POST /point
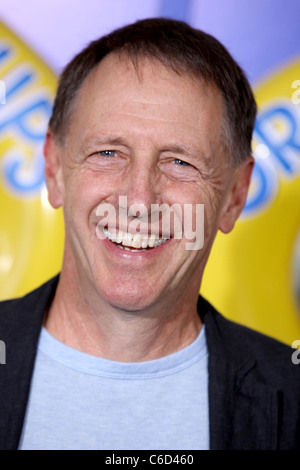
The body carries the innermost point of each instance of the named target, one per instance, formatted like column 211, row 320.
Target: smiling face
column 155, row 137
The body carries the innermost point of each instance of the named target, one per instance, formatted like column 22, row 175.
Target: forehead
column 148, row 95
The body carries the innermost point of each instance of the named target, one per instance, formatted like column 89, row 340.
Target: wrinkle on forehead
column 143, row 96
column 148, row 67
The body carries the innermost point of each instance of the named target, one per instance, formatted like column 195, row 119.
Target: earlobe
column 237, row 195
column 53, row 171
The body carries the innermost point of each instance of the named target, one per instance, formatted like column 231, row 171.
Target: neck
column 82, row 320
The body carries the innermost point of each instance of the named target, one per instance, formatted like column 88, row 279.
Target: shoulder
column 24, row 309
column 240, row 344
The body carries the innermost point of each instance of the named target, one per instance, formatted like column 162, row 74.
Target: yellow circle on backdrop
column 251, row 275
column 31, row 232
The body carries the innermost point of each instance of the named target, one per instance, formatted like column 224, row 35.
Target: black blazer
column 254, row 388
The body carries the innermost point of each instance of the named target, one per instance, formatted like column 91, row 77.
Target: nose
column 141, row 186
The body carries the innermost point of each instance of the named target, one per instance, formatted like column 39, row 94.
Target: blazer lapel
column 20, row 325
column 243, row 410
column 243, row 416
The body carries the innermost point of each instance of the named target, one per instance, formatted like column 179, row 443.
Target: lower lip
column 134, row 255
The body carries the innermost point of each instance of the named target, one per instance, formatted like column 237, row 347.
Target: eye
column 180, row 170
column 107, row 153
column 181, row 162
column 106, row 160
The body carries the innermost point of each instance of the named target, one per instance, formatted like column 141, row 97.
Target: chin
column 130, row 299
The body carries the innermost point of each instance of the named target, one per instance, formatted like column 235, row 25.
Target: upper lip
column 142, row 228
column 142, row 232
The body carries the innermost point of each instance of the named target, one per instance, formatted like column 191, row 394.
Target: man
column 119, row 351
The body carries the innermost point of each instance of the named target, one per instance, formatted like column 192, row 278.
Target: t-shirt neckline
column 86, row 363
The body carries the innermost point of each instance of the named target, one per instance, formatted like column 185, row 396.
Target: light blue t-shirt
column 83, row 402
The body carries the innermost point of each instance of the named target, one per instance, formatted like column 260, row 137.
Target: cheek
column 85, row 190
column 201, row 210
column 211, row 217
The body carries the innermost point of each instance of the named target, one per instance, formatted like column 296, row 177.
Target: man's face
column 154, row 137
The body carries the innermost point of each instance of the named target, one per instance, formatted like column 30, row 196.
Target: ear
column 237, row 195
column 53, row 171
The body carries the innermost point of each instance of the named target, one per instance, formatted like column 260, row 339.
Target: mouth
column 134, row 242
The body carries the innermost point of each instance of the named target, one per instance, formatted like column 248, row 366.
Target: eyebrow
column 193, row 152
column 109, row 140
column 183, row 149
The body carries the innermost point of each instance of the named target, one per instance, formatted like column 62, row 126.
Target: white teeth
column 134, row 241
column 137, row 241
column 119, row 237
column 127, row 239
column 151, row 241
column 144, row 243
